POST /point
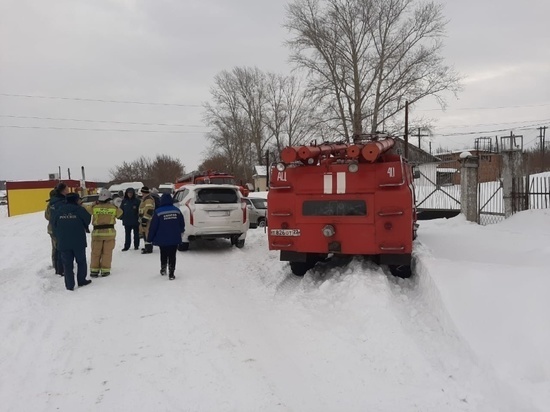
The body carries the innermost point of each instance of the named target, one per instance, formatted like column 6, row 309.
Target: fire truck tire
column 240, row 243
column 301, row 268
column 400, row 271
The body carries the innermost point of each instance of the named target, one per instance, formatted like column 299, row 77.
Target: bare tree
column 165, row 169
column 236, row 117
column 290, row 115
column 366, row 58
column 161, row 169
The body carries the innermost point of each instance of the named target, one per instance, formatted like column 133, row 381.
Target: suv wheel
column 240, row 243
column 261, row 222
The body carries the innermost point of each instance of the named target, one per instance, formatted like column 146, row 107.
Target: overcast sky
column 168, row 52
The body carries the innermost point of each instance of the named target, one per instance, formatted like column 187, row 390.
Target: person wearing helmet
column 104, row 216
column 146, row 210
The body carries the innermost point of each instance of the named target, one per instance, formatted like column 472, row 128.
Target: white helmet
column 104, row 195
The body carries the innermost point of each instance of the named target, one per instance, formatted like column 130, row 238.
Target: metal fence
column 530, row 192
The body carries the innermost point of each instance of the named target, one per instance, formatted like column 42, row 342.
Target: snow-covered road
column 235, row 332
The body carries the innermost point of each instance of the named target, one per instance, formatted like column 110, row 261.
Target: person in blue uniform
column 70, row 225
column 167, row 226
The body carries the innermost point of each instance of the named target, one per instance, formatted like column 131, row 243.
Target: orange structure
column 337, row 198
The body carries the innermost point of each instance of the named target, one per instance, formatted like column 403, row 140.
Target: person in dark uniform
column 70, row 225
column 130, row 218
column 167, row 226
column 57, row 199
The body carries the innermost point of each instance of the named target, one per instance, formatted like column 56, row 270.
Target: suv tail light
column 244, row 208
column 191, row 220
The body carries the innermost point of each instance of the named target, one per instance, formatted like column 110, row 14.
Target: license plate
column 218, row 213
column 285, row 232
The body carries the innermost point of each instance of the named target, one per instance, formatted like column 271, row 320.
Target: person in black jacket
column 130, row 218
column 57, row 199
column 167, row 226
column 70, row 225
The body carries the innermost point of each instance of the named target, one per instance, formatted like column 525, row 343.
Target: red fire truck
column 209, row 177
column 338, row 198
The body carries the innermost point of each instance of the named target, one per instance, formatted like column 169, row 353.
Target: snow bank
column 236, row 332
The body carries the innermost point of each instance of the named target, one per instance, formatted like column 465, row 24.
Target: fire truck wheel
column 240, row 243
column 300, row 268
column 400, row 271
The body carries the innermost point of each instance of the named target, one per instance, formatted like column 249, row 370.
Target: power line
column 99, row 100
column 490, row 131
column 485, row 108
column 99, row 121
column 103, row 130
column 455, row 126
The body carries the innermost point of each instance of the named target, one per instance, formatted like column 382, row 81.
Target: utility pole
column 407, row 130
column 542, row 137
column 419, row 136
column 268, row 169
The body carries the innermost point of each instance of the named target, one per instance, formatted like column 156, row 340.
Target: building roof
column 260, row 171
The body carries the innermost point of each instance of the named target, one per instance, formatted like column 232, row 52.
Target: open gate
column 490, row 196
column 437, row 191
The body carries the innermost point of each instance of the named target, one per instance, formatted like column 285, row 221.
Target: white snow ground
column 236, row 332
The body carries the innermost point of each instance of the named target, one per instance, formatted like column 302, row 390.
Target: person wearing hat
column 50, row 228
column 146, row 210
column 130, row 218
column 57, row 199
column 104, row 216
column 70, row 225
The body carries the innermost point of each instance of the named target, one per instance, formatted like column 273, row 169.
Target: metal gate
column 490, row 196
column 437, row 190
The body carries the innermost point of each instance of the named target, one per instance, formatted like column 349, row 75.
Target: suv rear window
column 334, row 208
column 217, row 195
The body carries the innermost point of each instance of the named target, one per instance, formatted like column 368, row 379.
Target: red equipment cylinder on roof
column 372, row 150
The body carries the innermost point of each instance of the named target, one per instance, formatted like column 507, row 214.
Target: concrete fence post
column 512, row 166
column 468, row 187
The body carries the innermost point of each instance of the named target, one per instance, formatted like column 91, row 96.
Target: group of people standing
column 69, row 221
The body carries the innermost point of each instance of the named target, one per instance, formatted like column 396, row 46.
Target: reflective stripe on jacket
column 104, row 214
column 147, row 208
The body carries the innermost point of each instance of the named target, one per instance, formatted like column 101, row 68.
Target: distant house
column 260, row 178
column 490, row 164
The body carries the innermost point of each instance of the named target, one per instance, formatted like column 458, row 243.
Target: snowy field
column 236, row 332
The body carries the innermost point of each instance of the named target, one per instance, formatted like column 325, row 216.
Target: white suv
column 212, row 211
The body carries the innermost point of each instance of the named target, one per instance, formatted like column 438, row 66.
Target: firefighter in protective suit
column 104, row 216
column 146, row 210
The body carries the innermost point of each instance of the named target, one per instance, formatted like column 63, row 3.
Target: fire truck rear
column 337, row 198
